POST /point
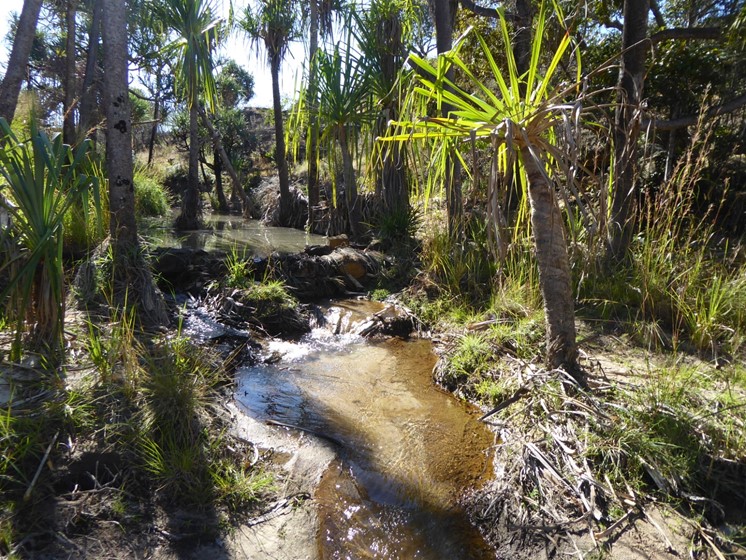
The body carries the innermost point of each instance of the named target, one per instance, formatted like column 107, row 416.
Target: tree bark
column 189, row 218
column 392, row 182
column 312, row 143
column 68, row 118
column 10, row 87
column 132, row 281
column 90, row 81
column 282, row 164
column 444, row 16
column 553, row 263
column 627, row 128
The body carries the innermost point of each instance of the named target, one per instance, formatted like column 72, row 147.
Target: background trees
column 197, row 29
column 274, row 24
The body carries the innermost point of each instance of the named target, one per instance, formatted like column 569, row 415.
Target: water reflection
column 223, row 233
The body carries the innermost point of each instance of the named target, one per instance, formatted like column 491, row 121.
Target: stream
column 404, row 450
column 228, row 233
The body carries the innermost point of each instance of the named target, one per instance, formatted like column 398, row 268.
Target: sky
column 237, row 48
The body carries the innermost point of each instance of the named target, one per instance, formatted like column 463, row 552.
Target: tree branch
column 686, row 33
column 474, row 8
column 690, row 120
column 657, row 13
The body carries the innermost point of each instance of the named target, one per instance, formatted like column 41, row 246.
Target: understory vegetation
column 556, row 191
column 129, row 431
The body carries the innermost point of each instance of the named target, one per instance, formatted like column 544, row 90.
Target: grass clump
column 141, row 428
column 151, row 198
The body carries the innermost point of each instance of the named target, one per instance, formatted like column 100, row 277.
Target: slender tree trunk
column 351, row 198
column 554, row 267
column 156, row 118
column 627, row 129
column 222, row 156
column 68, row 118
column 132, row 281
column 282, row 164
column 10, row 87
column 312, row 144
column 90, row 81
column 444, row 15
column 523, row 35
column 217, row 164
column 189, row 218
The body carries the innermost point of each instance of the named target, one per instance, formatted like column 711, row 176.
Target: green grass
column 151, row 198
column 150, row 403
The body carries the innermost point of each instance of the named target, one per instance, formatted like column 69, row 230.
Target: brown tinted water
column 405, row 450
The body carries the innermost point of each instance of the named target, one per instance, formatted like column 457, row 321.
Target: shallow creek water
column 404, row 449
column 224, row 233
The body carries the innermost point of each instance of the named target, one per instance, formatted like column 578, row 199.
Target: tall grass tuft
column 677, row 287
column 151, row 198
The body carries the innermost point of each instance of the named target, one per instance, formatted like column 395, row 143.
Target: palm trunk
column 351, row 198
column 90, row 83
column 68, row 119
column 627, row 129
column 444, row 12
column 312, row 145
column 132, row 281
column 554, row 267
column 10, row 87
column 189, row 218
column 282, row 164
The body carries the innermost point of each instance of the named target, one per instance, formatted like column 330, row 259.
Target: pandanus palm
column 520, row 121
column 44, row 180
column 197, row 31
column 275, row 24
column 344, row 107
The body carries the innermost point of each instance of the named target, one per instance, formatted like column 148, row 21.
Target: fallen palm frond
column 585, row 465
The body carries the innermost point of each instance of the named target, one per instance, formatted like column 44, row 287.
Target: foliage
column 273, row 25
column 151, row 198
column 45, row 179
column 198, row 31
column 677, row 287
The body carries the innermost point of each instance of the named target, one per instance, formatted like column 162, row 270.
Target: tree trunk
column 68, row 118
column 222, row 156
column 444, row 16
column 156, row 118
column 627, row 128
column 10, row 87
column 392, row 182
column 312, row 143
column 132, row 281
column 217, row 167
column 554, row 267
column 90, row 81
column 351, row 198
column 189, row 218
column 282, row 164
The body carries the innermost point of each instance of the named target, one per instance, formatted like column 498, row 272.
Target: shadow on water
column 405, row 450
